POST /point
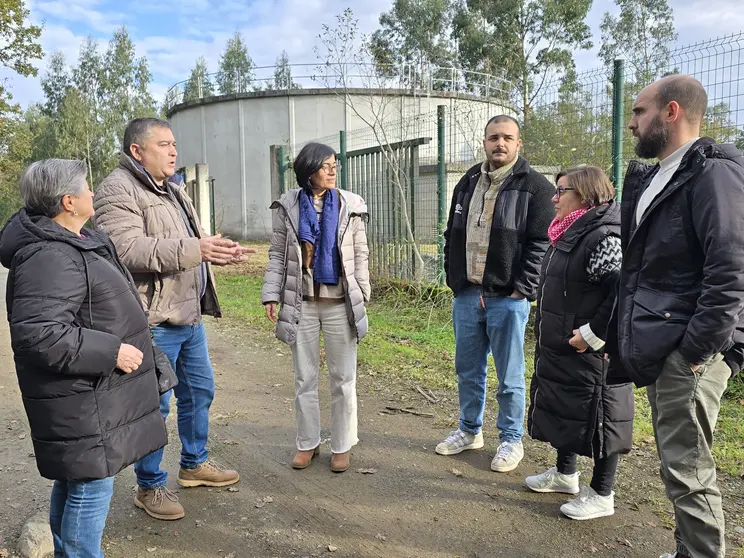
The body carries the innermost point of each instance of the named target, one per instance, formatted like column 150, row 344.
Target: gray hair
column 138, row 130
column 44, row 184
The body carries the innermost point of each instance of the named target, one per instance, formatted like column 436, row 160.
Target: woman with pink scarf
column 573, row 404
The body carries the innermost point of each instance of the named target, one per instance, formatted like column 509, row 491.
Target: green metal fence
column 407, row 169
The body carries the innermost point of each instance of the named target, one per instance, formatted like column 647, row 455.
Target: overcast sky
column 173, row 33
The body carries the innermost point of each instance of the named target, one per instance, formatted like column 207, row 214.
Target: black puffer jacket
column 70, row 307
column 573, row 406
column 681, row 285
column 519, row 232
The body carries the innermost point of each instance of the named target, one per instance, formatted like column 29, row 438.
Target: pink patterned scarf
column 559, row 226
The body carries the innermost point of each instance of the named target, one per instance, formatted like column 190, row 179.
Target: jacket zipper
column 347, row 297
column 542, row 298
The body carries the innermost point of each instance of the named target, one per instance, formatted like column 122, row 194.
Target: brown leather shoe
column 340, row 462
column 207, row 474
column 302, row 459
column 159, row 503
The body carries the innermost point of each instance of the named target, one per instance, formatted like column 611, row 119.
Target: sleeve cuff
column 594, row 342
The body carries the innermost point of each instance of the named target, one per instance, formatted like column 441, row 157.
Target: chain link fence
column 407, row 169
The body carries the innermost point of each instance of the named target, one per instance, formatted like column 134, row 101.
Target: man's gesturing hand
column 222, row 251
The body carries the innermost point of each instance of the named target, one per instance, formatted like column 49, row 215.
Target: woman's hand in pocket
column 578, row 342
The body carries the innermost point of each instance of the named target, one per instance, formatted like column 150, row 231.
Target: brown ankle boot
column 340, row 462
column 302, row 459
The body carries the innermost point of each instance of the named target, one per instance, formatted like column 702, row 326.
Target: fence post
column 618, row 126
column 282, row 166
column 342, row 155
column 441, row 191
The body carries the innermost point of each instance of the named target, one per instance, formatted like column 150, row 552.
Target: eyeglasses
column 561, row 190
column 329, row 166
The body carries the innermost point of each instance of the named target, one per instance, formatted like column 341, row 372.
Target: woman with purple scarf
column 318, row 278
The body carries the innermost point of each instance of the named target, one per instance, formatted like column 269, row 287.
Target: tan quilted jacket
column 283, row 277
column 152, row 240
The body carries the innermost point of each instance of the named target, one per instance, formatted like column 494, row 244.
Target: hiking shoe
column 507, row 457
column 553, row 481
column 207, row 474
column 159, row 503
column 589, row 505
column 458, row 442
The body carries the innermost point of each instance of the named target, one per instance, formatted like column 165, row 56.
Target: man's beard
column 493, row 164
column 653, row 141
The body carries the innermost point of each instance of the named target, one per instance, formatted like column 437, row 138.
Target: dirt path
column 412, row 506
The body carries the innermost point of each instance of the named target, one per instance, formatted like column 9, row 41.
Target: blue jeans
column 499, row 329
column 78, row 515
column 186, row 347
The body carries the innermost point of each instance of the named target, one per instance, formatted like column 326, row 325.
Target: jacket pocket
column 657, row 325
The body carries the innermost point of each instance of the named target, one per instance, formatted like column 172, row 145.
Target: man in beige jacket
column 152, row 222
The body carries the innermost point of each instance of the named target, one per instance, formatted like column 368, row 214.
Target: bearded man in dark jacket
column 678, row 324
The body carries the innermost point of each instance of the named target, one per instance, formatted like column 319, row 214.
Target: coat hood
column 603, row 215
column 24, row 229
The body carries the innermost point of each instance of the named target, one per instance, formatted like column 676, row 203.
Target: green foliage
column 414, row 32
column 235, row 73
column 526, row 41
column 199, row 85
column 642, row 34
column 283, row 74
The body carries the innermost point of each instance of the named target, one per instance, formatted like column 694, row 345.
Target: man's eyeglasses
column 561, row 190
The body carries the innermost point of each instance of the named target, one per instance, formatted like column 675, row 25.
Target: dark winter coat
column 681, row 284
column 519, row 232
column 71, row 305
column 573, row 407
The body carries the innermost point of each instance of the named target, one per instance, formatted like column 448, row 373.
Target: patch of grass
column 411, row 338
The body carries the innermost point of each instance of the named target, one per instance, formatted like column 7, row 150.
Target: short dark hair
column 309, row 161
column 687, row 91
column 138, row 130
column 503, row 118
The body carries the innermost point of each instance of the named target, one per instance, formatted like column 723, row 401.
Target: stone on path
column 36, row 537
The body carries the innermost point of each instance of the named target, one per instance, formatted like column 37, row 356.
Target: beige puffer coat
column 153, row 242
column 283, row 278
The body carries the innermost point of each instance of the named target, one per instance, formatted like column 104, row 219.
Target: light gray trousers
column 684, row 411
column 340, row 345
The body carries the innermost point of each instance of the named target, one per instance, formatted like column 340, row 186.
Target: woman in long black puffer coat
column 573, row 406
column 83, row 352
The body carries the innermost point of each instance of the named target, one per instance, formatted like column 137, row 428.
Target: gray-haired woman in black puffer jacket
column 83, row 352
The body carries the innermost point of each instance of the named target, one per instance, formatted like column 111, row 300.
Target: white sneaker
column 507, row 457
column 589, row 505
column 669, row 555
column 458, row 442
column 553, row 481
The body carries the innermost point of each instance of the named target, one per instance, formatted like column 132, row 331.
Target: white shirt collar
column 675, row 159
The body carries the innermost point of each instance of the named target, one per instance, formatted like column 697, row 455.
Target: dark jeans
column 186, row 347
column 603, row 476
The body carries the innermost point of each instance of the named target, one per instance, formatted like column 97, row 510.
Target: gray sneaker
column 553, row 481
column 458, row 442
column 507, row 457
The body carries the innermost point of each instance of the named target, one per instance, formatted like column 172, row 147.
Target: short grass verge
column 411, row 338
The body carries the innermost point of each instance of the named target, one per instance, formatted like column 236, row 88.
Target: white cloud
column 172, row 34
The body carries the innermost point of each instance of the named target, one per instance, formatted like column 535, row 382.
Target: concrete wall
column 232, row 135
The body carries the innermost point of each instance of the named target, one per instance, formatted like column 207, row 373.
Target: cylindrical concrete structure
column 233, row 133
